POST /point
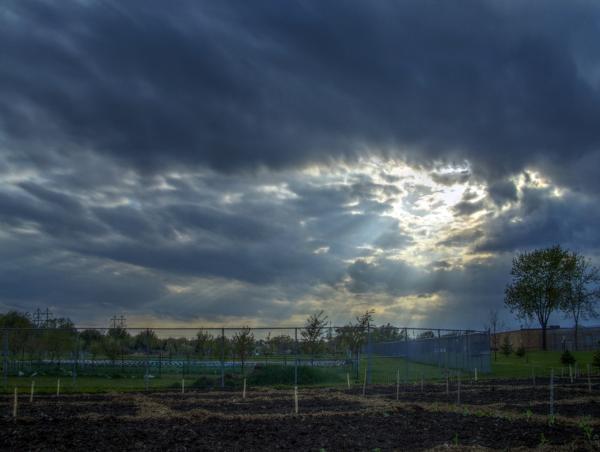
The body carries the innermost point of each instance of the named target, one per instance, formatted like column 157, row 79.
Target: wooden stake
column 571, row 373
column 57, row 387
column 183, row 385
column 32, row 390
column 398, row 384
column 447, row 384
column 476, row 374
column 296, row 399
column 348, row 379
column 365, row 383
column 551, row 392
column 15, row 403
column 244, row 390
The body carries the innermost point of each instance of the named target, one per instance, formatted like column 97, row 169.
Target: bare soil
column 491, row 416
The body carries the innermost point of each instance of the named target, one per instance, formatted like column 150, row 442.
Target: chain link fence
column 205, row 358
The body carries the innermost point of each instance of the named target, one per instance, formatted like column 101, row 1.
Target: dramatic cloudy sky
column 253, row 162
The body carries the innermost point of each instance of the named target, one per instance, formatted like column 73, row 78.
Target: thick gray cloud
column 504, row 86
column 541, row 219
column 175, row 160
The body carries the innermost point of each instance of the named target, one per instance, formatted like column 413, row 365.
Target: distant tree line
column 59, row 338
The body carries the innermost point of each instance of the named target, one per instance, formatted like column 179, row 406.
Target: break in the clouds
column 253, row 162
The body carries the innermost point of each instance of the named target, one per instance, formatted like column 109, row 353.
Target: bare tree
column 354, row 335
column 312, row 334
column 582, row 291
column 243, row 344
column 203, row 343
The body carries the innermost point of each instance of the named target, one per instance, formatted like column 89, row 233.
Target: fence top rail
column 218, row 328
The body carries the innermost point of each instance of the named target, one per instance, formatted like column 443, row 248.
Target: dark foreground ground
column 493, row 415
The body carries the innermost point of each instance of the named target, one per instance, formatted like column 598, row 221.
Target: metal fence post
column 76, row 356
column 146, row 375
column 439, row 341
column 222, row 358
column 5, row 358
column 296, row 360
column 369, row 353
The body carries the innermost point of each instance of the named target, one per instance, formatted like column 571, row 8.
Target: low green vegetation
column 312, row 376
column 518, row 367
column 383, row 371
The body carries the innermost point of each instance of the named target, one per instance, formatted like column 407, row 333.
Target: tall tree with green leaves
column 538, row 286
column 582, row 291
column 19, row 329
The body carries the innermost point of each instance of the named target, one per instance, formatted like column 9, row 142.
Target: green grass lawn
column 383, row 371
column 541, row 362
column 47, row 384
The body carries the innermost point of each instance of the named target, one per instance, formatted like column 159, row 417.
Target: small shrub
column 587, row 429
column 506, row 347
column 520, row 351
column 455, row 439
column 567, row 358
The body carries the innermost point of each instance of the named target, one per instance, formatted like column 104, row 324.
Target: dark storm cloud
column 502, row 191
column 457, row 177
column 468, row 292
column 33, row 274
column 466, row 208
column 263, row 245
column 151, row 154
column 542, row 219
column 239, row 85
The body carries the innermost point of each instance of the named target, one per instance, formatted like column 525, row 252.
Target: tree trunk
column 544, row 347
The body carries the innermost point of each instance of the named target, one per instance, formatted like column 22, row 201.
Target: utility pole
column 118, row 322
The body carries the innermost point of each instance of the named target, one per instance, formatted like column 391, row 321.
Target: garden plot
column 327, row 419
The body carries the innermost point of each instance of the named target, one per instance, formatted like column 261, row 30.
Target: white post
column 15, row 403
column 32, row 390
column 348, row 379
column 183, row 385
column 571, row 373
column 476, row 374
column 296, row 399
column 244, row 390
column 551, row 392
